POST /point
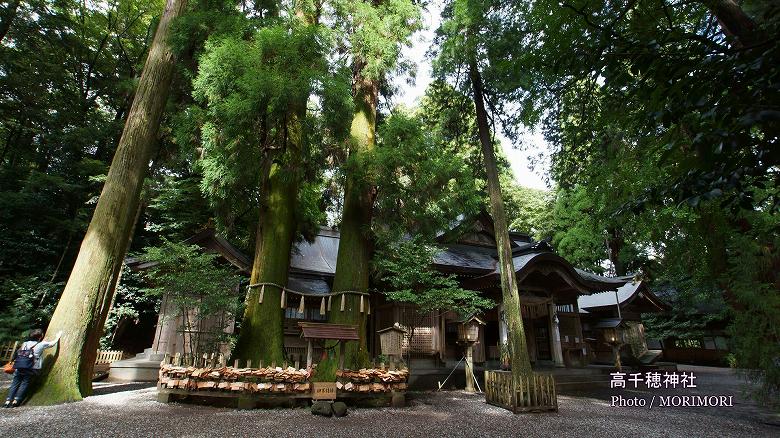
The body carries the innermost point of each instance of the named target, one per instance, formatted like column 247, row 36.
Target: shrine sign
column 323, row 391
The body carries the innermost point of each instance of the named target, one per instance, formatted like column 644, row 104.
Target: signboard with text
column 323, row 391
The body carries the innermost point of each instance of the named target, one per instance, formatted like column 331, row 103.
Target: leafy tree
column 258, row 147
column 69, row 70
column 424, row 182
column 663, row 121
column 462, row 49
column 528, row 210
column 27, row 302
column 407, row 269
column 131, row 304
column 194, row 282
column 376, row 32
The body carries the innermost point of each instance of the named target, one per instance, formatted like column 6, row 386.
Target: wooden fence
column 535, row 392
column 7, row 350
column 219, row 360
column 103, row 357
column 109, row 356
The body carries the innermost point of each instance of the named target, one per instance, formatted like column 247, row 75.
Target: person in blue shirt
column 22, row 377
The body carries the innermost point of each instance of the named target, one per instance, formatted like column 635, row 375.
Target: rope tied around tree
column 365, row 305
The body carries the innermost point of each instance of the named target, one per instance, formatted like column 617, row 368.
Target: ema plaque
column 323, row 391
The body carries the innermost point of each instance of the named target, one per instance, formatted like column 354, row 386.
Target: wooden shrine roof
column 632, row 293
column 321, row 330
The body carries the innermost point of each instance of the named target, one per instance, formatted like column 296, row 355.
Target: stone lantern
column 468, row 334
column 613, row 336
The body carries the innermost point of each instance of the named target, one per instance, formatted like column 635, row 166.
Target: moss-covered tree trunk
column 355, row 244
column 510, row 295
column 262, row 328
column 85, row 302
column 262, row 335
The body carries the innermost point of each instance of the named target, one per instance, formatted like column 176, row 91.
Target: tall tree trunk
column 262, row 329
column 85, row 302
column 518, row 349
column 8, row 17
column 355, row 243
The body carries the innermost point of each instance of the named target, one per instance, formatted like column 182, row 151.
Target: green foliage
column 407, row 269
column 692, row 311
column 753, row 276
column 249, row 86
column 130, row 304
column 528, row 210
column 377, row 33
column 178, row 209
column 26, row 302
column 68, row 71
column 325, row 371
column 424, row 183
column 578, row 234
column 191, row 280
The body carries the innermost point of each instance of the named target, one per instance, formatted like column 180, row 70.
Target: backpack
column 24, row 358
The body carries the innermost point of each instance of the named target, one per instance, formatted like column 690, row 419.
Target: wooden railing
column 7, row 351
column 103, row 357
column 109, row 356
column 534, row 392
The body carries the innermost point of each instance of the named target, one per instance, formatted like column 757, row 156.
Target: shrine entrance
column 542, row 339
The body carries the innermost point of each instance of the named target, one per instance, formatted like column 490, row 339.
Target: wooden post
column 555, row 336
column 309, row 354
column 469, row 367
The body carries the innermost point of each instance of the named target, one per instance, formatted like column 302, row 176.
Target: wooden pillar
column 309, row 352
column 469, row 367
column 555, row 336
column 578, row 323
column 502, row 328
column 442, row 339
column 341, row 355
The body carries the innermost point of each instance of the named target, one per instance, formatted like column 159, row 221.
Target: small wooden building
column 622, row 310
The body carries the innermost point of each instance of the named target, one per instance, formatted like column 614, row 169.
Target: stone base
column 144, row 367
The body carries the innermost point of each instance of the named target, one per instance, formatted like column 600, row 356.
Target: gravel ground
column 135, row 412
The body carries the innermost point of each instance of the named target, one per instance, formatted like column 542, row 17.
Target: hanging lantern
column 283, row 301
column 262, row 294
column 468, row 330
column 322, row 306
column 301, row 308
